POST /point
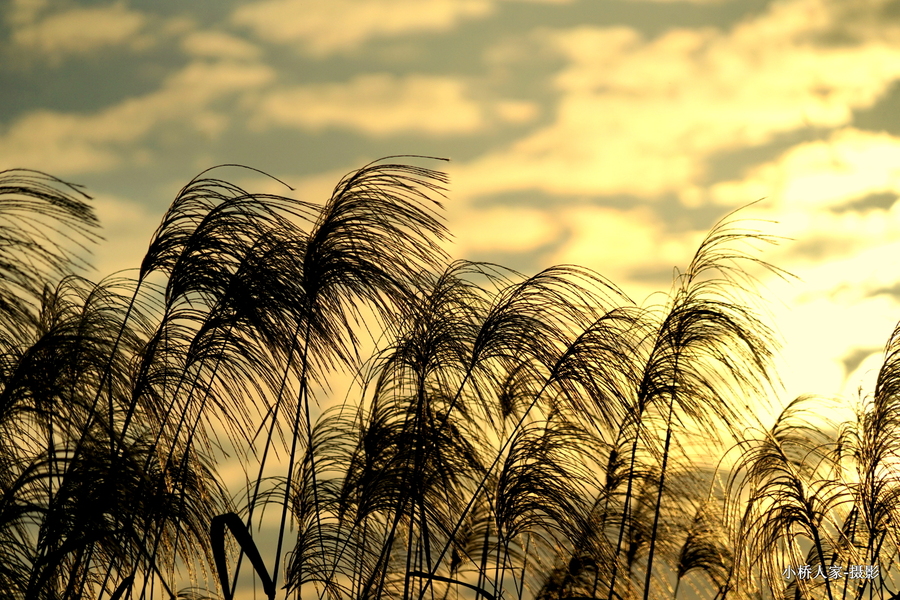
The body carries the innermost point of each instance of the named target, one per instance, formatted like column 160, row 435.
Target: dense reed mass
column 538, row 437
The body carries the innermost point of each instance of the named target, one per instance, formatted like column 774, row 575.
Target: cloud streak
column 376, row 104
column 849, row 165
column 76, row 31
column 67, row 143
column 322, row 28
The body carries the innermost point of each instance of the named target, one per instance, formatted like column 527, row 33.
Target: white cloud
column 622, row 243
column 847, row 166
column 643, row 117
column 339, row 25
column 323, row 28
column 817, row 193
column 66, row 143
column 516, row 111
column 631, row 247
column 833, row 308
column 77, row 30
column 376, row 104
column 845, row 254
column 217, row 44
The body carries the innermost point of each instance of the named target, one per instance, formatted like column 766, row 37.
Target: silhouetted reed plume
column 518, row 437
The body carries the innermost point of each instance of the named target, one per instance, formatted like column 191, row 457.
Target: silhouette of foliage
column 505, row 436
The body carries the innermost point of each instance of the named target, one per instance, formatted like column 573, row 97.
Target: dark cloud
column 855, row 357
column 893, row 291
column 882, row 201
column 733, row 164
column 881, row 116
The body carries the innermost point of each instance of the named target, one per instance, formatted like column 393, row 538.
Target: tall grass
column 539, row 437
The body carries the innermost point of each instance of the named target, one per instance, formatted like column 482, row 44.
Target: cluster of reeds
column 538, row 437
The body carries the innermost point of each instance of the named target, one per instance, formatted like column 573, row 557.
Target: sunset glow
column 611, row 134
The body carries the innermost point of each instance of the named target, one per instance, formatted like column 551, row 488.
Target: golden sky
column 609, row 133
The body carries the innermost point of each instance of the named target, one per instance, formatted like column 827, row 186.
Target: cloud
column 516, row 111
column 66, row 143
column 843, row 249
column 691, row 1
column 836, row 198
column 217, row 44
column 322, row 28
column 75, row 31
column 643, row 117
column 316, row 188
column 502, row 229
column 849, row 165
column 23, row 12
column 819, row 333
column 127, row 229
column 632, row 247
column 835, row 305
column 376, row 104
column 831, row 200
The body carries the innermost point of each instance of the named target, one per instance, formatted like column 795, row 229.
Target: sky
column 608, row 133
